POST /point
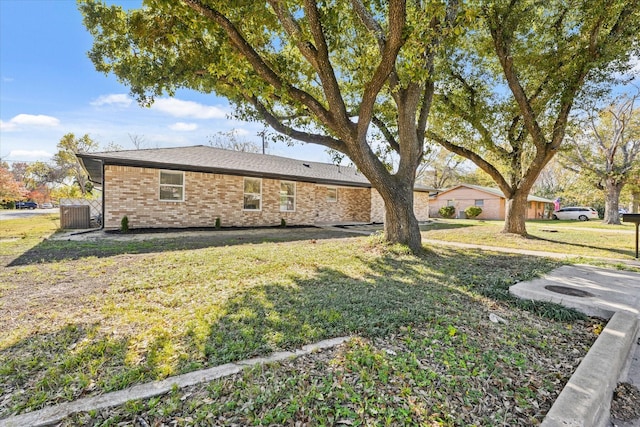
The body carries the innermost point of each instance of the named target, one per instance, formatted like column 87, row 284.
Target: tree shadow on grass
column 447, row 225
column 395, row 293
column 52, row 250
column 392, row 291
column 625, row 252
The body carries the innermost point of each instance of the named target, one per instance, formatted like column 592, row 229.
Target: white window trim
column 183, row 186
column 259, row 194
column 329, row 200
column 295, row 196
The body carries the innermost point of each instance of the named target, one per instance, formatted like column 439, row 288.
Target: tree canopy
column 11, row 190
column 509, row 86
column 67, row 161
column 359, row 76
column 347, row 75
column 605, row 149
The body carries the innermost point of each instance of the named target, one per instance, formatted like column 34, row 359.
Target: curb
column 585, row 400
column 54, row 414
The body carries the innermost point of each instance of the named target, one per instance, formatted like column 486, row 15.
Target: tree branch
column 318, row 55
column 502, row 47
column 277, row 125
column 386, row 132
column 482, row 130
column 390, row 50
column 475, row 158
column 256, row 61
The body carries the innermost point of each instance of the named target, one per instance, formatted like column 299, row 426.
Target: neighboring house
column 491, row 200
column 192, row 186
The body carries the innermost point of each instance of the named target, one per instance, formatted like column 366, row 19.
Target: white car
column 576, row 212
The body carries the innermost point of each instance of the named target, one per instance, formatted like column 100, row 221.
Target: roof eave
column 222, row 171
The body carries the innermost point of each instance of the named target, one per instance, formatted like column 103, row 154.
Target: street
column 25, row 213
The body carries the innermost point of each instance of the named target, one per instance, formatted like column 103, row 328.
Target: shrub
column 447, row 211
column 218, row 223
column 283, row 223
column 124, row 224
column 473, row 211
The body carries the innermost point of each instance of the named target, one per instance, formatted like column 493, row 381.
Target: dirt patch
column 211, row 234
column 625, row 405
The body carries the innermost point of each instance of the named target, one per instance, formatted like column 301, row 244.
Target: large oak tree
column 510, row 83
column 605, row 150
column 358, row 76
column 347, row 75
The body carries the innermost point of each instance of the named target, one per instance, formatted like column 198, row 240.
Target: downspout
column 102, row 197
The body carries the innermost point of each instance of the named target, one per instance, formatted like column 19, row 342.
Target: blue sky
column 48, row 87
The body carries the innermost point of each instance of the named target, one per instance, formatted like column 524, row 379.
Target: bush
column 473, row 211
column 124, row 224
column 283, row 223
column 218, row 223
column 447, row 211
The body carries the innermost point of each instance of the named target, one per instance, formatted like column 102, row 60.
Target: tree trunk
column 400, row 223
column 516, row 214
column 635, row 202
column 612, row 202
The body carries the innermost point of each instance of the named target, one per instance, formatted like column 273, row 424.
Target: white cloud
column 116, row 99
column 22, row 120
column 178, row 108
column 29, row 154
column 183, row 127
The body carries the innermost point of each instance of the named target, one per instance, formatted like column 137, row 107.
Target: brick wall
column 420, row 206
column 134, row 192
column 377, row 206
column 352, row 205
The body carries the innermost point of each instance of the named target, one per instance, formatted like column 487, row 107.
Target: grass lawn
column 81, row 318
column 588, row 238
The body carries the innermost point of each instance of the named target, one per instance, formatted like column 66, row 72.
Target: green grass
column 18, row 235
column 589, row 238
column 96, row 322
column 31, row 227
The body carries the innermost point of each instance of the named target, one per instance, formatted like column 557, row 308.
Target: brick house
column 491, row 200
column 192, row 186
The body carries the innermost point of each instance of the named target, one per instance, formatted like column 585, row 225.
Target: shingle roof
column 202, row 158
column 495, row 192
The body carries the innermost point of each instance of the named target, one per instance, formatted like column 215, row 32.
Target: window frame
column 287, row 196
column 328, row 199
column 181, row 186
column 479, row 203
column 244, row 194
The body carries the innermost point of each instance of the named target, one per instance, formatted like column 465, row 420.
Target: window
column 171, row 186
column 252, row 194
column 451, row 202
column 479, row 203
column 332, row 194
column 287, row 196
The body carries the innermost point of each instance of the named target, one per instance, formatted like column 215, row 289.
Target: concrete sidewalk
column 615, row 356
